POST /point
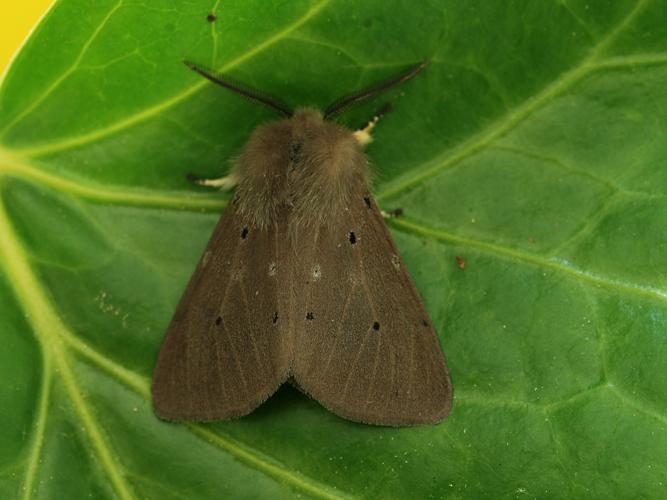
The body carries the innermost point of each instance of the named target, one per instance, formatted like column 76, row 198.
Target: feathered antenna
column 345, row 102
column 251, row 94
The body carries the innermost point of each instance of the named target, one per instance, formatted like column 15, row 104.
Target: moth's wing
column 224, row 352
column 369, row 352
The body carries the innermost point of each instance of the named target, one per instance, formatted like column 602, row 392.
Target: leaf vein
column 516, row 255
column 47, row 327
column 78, row 141
column 53, row 335
column 12, row 165
column 510, row 120
column 58, row 81
column 40, row 426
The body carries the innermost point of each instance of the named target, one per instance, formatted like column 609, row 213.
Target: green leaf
column 534, row 147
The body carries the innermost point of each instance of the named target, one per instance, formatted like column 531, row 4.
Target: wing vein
column 221, row 310
column 340, row 327
column 376, row 362
column 392, row 371
column 354, row 366
column 364, row 281
column 227, row 333
column 255, row 346
column 412, row 362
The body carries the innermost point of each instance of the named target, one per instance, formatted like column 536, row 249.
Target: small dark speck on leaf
column 211, row 17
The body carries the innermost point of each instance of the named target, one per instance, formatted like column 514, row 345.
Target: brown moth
column 302, row 282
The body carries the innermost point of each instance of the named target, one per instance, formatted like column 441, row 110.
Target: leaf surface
column 534, row 147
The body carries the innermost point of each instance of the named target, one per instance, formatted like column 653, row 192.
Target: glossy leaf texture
column 533, row 148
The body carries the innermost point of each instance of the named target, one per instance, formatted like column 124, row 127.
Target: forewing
column 224, row 351
column 365, row 348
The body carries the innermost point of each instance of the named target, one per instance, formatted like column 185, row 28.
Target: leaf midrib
column 56, row 340
column 47, row 325
column 518, row 256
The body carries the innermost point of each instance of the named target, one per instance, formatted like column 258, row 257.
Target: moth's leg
column 226, row 182
column 363, row 135
column 392, row 214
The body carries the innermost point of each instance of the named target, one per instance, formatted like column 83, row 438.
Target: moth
column 302, row 282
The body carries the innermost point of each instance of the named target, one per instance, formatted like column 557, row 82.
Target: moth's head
column 305, row 163
column 318, row 144
column 306, row 118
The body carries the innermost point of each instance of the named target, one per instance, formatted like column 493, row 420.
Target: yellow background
column 17, row 18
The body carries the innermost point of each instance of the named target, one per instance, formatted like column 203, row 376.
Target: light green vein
column 95, row 435
column 330, row 46
column 39, row 428
column 58, row 81
column 478, row 398
column 559, row 450
column 577, row 19
column 593, row 221
column 614, row 186
column 489, row 400
column 481, row 141
column 618, row 393
column 73, row 142
column 516, row 255
column 634, row 60
column 627, row 400
column 133, row 380
column 276, row 471
column 163, row 487
column 252, row 458
column 11, row 164
column 508, row 122
column 583, row 394
column 48, row 329
column 609, row 184
column 214, row 35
